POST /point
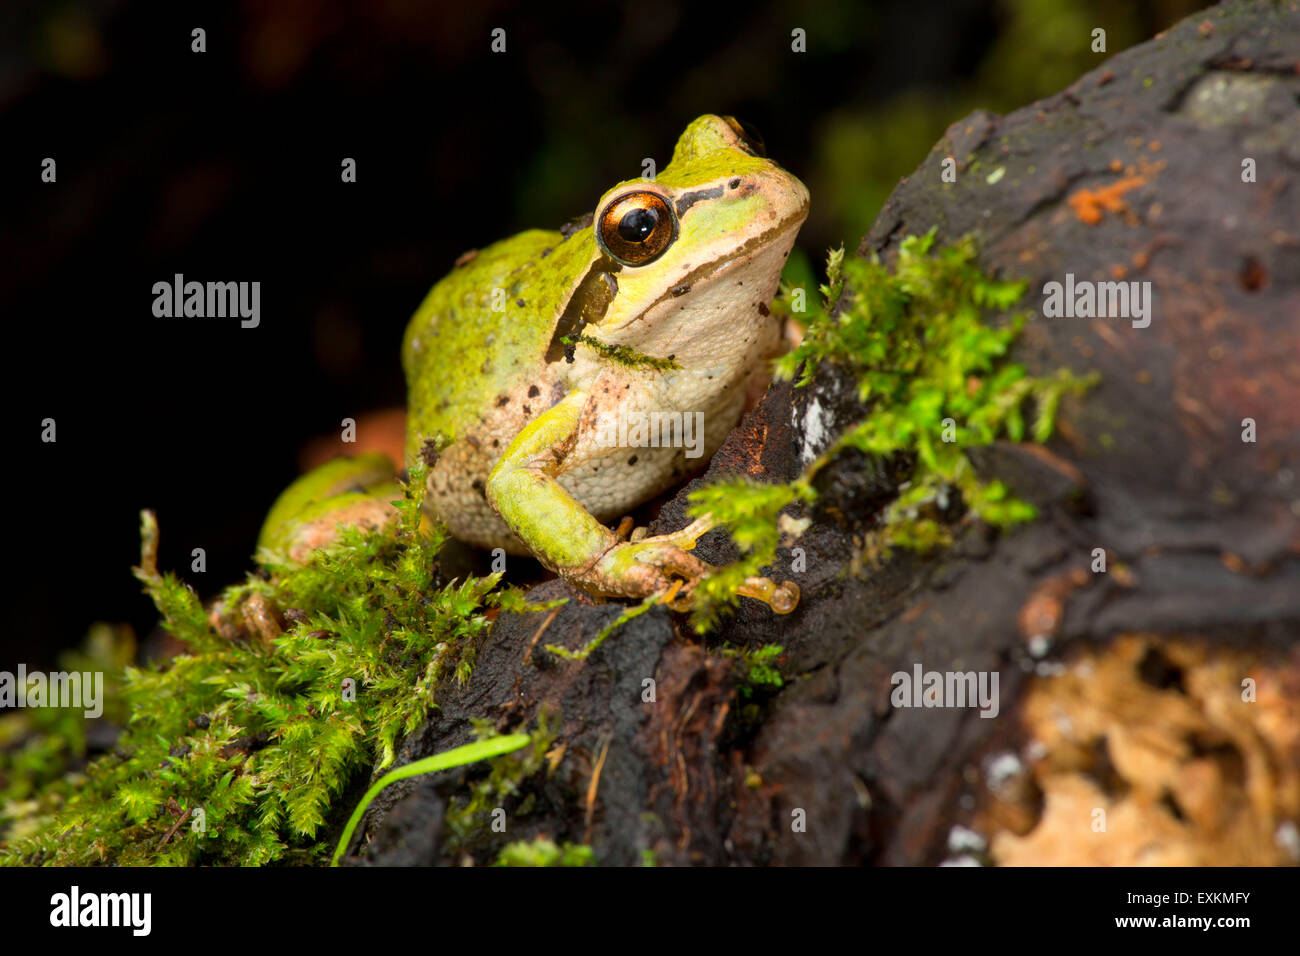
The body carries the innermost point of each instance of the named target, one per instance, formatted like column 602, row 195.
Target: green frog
column 557, row 379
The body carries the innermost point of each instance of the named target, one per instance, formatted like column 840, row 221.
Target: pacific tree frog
column 532, row 352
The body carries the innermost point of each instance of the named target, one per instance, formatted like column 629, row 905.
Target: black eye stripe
column 690, row 199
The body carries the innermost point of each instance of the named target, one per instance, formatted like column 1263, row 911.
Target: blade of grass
column 458, row 757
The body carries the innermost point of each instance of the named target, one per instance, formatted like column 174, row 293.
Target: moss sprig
column 927, row 342
column 238, row 750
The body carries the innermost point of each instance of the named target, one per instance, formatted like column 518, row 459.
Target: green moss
column 756, row 668
column 625, row 355
column 927, row 342
column 40, row 745
column 544, row 852
column 238, row 750
column 749, row 511
column 757, row 680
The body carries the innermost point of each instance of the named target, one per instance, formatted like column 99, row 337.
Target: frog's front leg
column 564, row 536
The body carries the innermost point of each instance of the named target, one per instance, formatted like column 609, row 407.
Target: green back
column 459, row 354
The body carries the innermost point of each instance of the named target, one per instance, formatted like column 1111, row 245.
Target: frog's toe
column 663, row 567
column 688, row 536
column 678, row 596
column 781, row 598
column 672, row 560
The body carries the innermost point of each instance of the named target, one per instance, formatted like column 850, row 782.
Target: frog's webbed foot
column 663, row 565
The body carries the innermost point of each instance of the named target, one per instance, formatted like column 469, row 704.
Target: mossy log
column 1163, row 692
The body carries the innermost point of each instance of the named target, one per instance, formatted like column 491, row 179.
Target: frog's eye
column 637, row 228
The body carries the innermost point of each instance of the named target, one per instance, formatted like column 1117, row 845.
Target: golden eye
column 637, row 228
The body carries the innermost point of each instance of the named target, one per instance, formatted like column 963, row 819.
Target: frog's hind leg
column 356, row 491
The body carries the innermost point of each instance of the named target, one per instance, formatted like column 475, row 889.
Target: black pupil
column 637, row 225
